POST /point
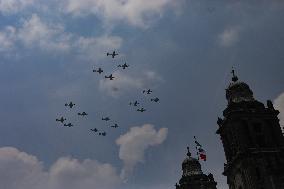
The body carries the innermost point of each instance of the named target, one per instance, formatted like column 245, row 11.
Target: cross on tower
column 188, row 152
column 234, row 78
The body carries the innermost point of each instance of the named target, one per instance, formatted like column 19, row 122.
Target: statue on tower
column 234, row 78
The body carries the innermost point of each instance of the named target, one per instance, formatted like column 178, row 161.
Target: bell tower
column 252, row 139
column 193, row 177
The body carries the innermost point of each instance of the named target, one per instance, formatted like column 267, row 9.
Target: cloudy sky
column 182, row 49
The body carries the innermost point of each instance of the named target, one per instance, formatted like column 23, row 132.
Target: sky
column 183, row 50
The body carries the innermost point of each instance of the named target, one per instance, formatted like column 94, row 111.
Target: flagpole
column 196, row 147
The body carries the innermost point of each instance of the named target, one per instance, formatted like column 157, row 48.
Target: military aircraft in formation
column 62, row 119
column 149, row 91
column 105, row 118
column 110, row 77
column 100, row 133
column 114, row 126
column 123, row 66
column 136, row 103
column 141, row 110
column 82, row 114
column 70, row 104
column 113, row 54
column 94, row 130
column 155, row 99
column 68, row 125
column 99, row 70
column 103, row 133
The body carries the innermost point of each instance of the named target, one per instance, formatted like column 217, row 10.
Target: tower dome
column 193, row 177
column 238, row 91
column 191, row 166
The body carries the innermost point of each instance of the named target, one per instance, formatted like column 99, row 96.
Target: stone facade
column 252, row 139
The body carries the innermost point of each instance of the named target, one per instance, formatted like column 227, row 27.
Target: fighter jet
column 103, row 133
column 68, row 125
column 110, row 77
column 105, row 118
column 141, row 110
column 94, row 130
column 114, row 126
column 149, row 91
column 123, row 66
column 155, row 99
column 82, row 114
column 136, row 103
column 70, row 104
column 99, row 70
column 113, row 54
column 62, row 119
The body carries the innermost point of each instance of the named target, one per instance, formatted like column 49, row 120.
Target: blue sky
column 183, row 50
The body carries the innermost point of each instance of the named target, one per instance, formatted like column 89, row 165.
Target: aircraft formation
column 138, row 105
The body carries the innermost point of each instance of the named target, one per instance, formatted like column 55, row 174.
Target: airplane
column 110, row 77
column 113, row 54
column 141, row 110
column 70, row 104
column 105, row 118
column 82, row 114
column 123, row 66
column 68, row 125
column 155, row 99
column 134, row 103
column 114, row 126
column 95, row 130
column 147, row 91
column 62, row 119
column 103, row 133
column 98, row 70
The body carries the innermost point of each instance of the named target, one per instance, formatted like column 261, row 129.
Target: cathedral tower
column 192, row 177
column 252, row 140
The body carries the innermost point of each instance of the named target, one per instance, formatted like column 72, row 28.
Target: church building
column 253, row 143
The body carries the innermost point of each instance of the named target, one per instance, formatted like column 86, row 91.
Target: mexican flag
column 200, row 151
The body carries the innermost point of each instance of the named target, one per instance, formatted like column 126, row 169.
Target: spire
column 238, row 91
column 234, row 78
column 188, row 152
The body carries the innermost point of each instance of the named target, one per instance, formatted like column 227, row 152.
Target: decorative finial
column 234, row 78
column 188, row 152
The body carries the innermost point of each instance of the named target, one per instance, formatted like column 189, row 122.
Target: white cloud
column 7, row 38
column 229, row 36
column 124, row 82
column 88, row 174
column 8, row 7
column 135, row 12
column 135, row 142
column 34, row 33
column 279, row 105
column 21, row 170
